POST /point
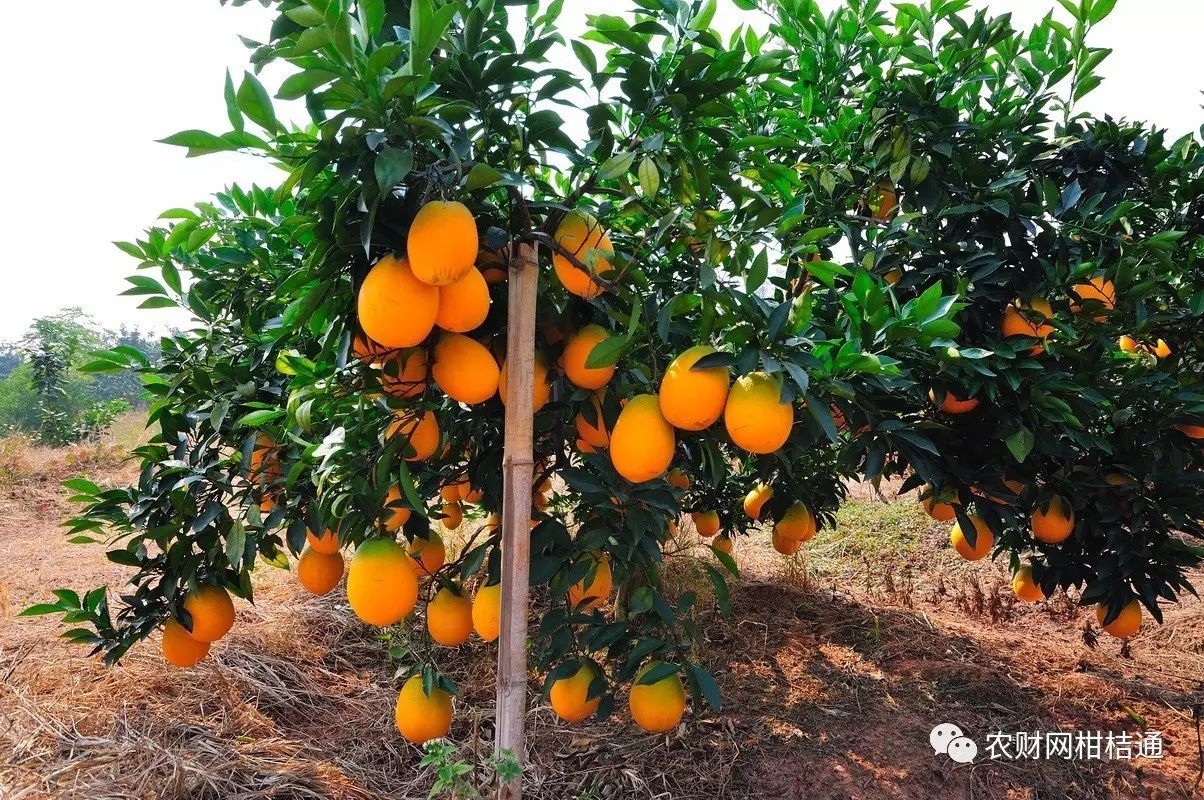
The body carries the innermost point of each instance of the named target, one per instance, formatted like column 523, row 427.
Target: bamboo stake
column 517, row 465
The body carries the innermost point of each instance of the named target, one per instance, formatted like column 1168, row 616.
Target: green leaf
column 236, row 544
column 260, row 417
column 198, row 140
column 392, row 165
column 253, row 100
column 616, row 166
column 1021, row 444
column 41, row 608
column 232, row 104
column 650, row 177
column 480, row 176
column 606, row 353
column 301, row 83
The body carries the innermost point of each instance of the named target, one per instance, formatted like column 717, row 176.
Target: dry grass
column 837, row 663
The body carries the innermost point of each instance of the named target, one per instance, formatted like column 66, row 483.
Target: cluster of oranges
column 211, row 616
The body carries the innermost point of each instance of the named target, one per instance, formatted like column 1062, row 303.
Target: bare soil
column 834, row 668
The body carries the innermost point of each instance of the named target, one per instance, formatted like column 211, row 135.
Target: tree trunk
column 517, row 465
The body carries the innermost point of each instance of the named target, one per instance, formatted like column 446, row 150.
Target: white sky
column 86, row 105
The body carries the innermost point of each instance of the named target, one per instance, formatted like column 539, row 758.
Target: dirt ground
column 834, row 669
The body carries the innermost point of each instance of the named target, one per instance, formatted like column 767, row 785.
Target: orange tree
column 745, row 244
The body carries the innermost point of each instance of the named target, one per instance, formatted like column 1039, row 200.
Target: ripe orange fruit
column 1161, row 349
column 585, row 448
column 785, row 545
column 396, row 512
column 642, row 443
column 1191, row 431
column 724, row 544
column 883, row 201
column 442, row 244
column 409, row 373
column 756, row 418
column 381, row 586
column 580, row 233
column 180, row 649
column 366, row 350
column 1024, row 587
column 756, row 499
column 595, row 435
column 212, row 613
column 693, row 399
column 657, row 707
column 264, row 463
column 577, row 352
column 1125, row 625
column 678, row 479
column 798, row 523
column 494, row 264
column 595, row 591
column 541, row 390
column 427, row 555
column 1128, row 344
column 420, row 717
column 952, row 404
column 1097, row 288
column 422, row 432
column 707, row 523
column 453, row 515
column 983, row 543
column 326, row 544
column 939, row 510
column 319, row 572
column 1015, row 323
column 464, row 369
column 486, row 612
column 463, row 305
column 570, row 696
column 1055, row 524
column 395, row 308
column 449, row 618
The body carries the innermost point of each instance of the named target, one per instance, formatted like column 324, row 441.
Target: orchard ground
column 835, row 667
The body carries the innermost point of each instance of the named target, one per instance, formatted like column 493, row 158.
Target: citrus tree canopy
column 823, row 247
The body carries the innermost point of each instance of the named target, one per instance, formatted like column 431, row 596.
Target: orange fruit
column 798, row 523
column 180, row 649
column 595, row 435
column 326, row 544
column 420, row 717
column 756, row 418
column 366, row 350
column 785, row 545
column 421, row 429
column 541, row 390
column 381, row 586
column 264, row 463
column 1191, row 431
column 756, row 499
column 707, row 523
column 1015, row 323
column 442, row 244
column 1055, row 524
column 984, row 541
column 486, row 612
column 449, row 618
column 427, row 555
column 463, row 305
column 570, row 696
column 585, row 447
column 657, row 707
column 1024, row 587
column 395, row 308
column 1161, row 349
column 450, row 492
column 580, row 234
column 319, row 572
column 690, row 399
column 494, row 264
column 464, row 369
column 941, row 511
column 724, row 544
column 1097, row 288
column 883, row 201
column 592, row 591
column 952, row 404
column 678, row 479
column 453, row 515
column 1125, row 625
column 404, row 377
column 396, row 512
column 212, row 613
column 642, row 443
column 1128, row 344
column 577, row 352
